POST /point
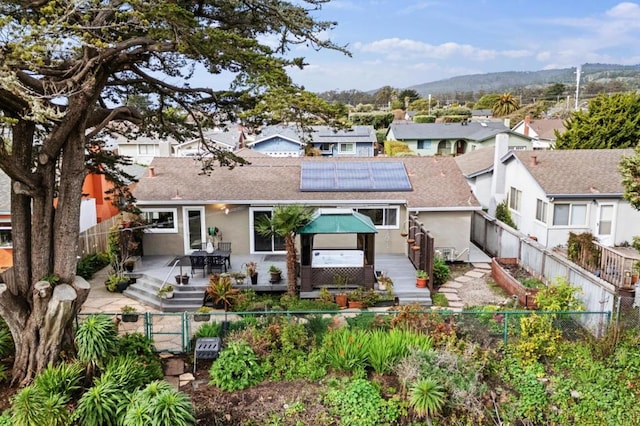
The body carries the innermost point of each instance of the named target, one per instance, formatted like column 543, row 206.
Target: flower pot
column 122, row 285
column 129, row 317
column 341, row 300
column 201, row 317
column 421, row 282
column 182, row 279
column 415, row 248
column 254, row 279
column 168, row 295
column 129, row 266
column 356, row 304
column 276, row 277
column 411, row 241
column 403, row 234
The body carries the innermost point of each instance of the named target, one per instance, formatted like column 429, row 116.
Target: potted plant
column 385, row 282
column 252, row 271
column 276, row 274
column 166, row 292
column 238, row 277
column 356, row 298
column 182, row 279
column 421, row 278
column 203, row 314
column 325, row 295
column 341, row 281
column 221, row 292
column 116, row 282
column 129, row 314
column 129, row 264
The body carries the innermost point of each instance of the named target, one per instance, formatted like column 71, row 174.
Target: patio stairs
column 186, row 298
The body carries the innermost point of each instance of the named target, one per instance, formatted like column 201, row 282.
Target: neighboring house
column 228, row 139
column 542, row 131
column 6, row 242
column 290, row 141
column 453, row 138
column 385, row 189
column 479, row 114
column 553, row 192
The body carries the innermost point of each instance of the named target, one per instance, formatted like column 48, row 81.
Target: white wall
column 88, row 214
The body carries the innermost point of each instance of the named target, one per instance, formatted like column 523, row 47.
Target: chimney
column 527, row 123
column 534, row 160
column 507, row 123
column 152, row 171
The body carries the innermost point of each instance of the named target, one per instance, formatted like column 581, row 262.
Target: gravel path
column 468, row 287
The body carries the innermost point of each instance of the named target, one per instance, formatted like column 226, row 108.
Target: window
column 261, row 243
column 382, row 217
column 6, row 240
column 515, row 199
column 424, row 144
column 569, row 214
column 541, row 211
column 347, row 148
column 325, row 147
column 145, row 149
column 606, row 219
column 161, row 220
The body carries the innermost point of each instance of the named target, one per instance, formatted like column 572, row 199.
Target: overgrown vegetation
column 503, row 214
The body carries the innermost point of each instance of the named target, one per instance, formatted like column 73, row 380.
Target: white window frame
column 385, row 225
column 147, row 148
column 542, row 211
column 252, row 242
column 153, row 230
column 342, row 148
column 570, row 215
column 515, row 202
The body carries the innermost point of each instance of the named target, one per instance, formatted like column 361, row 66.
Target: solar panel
column 361, row 176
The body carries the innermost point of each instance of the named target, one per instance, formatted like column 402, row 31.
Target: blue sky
column 406, row 42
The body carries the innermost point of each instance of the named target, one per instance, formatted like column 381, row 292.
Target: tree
column 385, row 95
column 554, row 92
column 609, row 122
column 285, row 221
column 487, row 101
column 505, row 105
column 68, row 72
column 630, row 170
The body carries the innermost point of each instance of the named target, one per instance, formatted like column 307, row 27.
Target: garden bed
column 509, row 275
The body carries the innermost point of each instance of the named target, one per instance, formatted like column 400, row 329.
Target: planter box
column 201, row 317
column 129, row 317
column 511, row 285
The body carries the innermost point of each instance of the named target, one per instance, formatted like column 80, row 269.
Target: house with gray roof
column 453, row 138
column 543, row 131
column 291, row 141
column 183, row 204
column 551, row 193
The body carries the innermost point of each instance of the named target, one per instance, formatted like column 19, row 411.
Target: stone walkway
column 466, row 288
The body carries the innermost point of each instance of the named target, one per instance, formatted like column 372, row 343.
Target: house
column 453, row 138
column 183, row 205
column 542, row 131
column 6, row 244
column 553, row 192
column 228, row 139
column 290, row 141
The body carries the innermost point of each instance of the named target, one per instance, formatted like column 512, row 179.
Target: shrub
column 159, row 404
column 130, row 372
column 503, row 214
column 209, row 329
column 236, row 368
column 392, row 148
column 63, row 379
column 96, row 339
column 369, row 321
column 88, row 265
column 346, row 349
column 6, row 340
column 139, row 346
column 441, row 271
column 359, row 403
column 424, row 118
column 427, row 397
column 98, row 406
column 28, row 407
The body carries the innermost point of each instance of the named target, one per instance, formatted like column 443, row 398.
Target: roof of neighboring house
column 436, row 184
column 546, row 128
column 319, row 134
column 474, row 163
column 586, row 172
column 477, row 131
column 5, row 193
column 482, row 112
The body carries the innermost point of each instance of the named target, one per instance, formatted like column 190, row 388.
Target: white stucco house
column 551, row 193
column 542, row 131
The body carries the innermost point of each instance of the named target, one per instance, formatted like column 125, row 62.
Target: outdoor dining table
column 210, row 258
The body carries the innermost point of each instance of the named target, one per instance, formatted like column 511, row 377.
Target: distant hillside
column 506, row 81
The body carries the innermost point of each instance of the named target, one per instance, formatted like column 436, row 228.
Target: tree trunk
column 292, row 280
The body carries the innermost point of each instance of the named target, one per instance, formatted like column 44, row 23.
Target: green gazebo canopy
column 339, row 221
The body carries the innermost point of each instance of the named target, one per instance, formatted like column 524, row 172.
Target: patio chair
column 198, row 262
column 226, row 247
column 217, row 263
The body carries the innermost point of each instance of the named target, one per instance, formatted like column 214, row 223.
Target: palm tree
column 505, row 105
column 285, row 221
column 426, row 398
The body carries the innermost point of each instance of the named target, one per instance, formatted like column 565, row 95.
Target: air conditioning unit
column 447, row 253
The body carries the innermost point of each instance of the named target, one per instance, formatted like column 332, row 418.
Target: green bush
column 130, row 372
column 441, row 271
column 236, row 368
column 63, row 379
column 424, row 118
column 359, row 403
column 503, row 214
column 99, row 405
column 90, row 264
column 346, row 349
column 33, row 407
column 139, row 346
column 158, row 404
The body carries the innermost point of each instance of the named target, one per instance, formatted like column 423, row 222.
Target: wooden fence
column 95, row 239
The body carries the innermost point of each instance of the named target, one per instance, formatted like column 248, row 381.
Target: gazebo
column 348, row 260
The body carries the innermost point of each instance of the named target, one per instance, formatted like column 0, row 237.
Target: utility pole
column 577, row 85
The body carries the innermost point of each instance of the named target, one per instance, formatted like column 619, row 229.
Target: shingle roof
column 320, row 134
column 437, row 183
column 575, row 172
column 476, row 162
column 471, row 131
column 5, row 193
column 545, row 128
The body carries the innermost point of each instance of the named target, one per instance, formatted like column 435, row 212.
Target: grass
column 439, row 299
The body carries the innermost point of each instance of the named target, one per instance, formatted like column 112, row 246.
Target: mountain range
column 510, row 80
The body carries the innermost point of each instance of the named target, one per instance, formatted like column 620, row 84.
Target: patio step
column 185, row 298
column 422, row 298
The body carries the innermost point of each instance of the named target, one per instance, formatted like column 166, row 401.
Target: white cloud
column 625, row 11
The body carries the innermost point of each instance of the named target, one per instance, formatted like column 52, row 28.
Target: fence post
column 185, row 332
column 505, row 328
column 147, row 326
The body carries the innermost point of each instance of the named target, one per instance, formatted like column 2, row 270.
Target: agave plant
column 427, row 397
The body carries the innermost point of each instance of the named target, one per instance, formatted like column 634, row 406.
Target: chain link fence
column 174, row 332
